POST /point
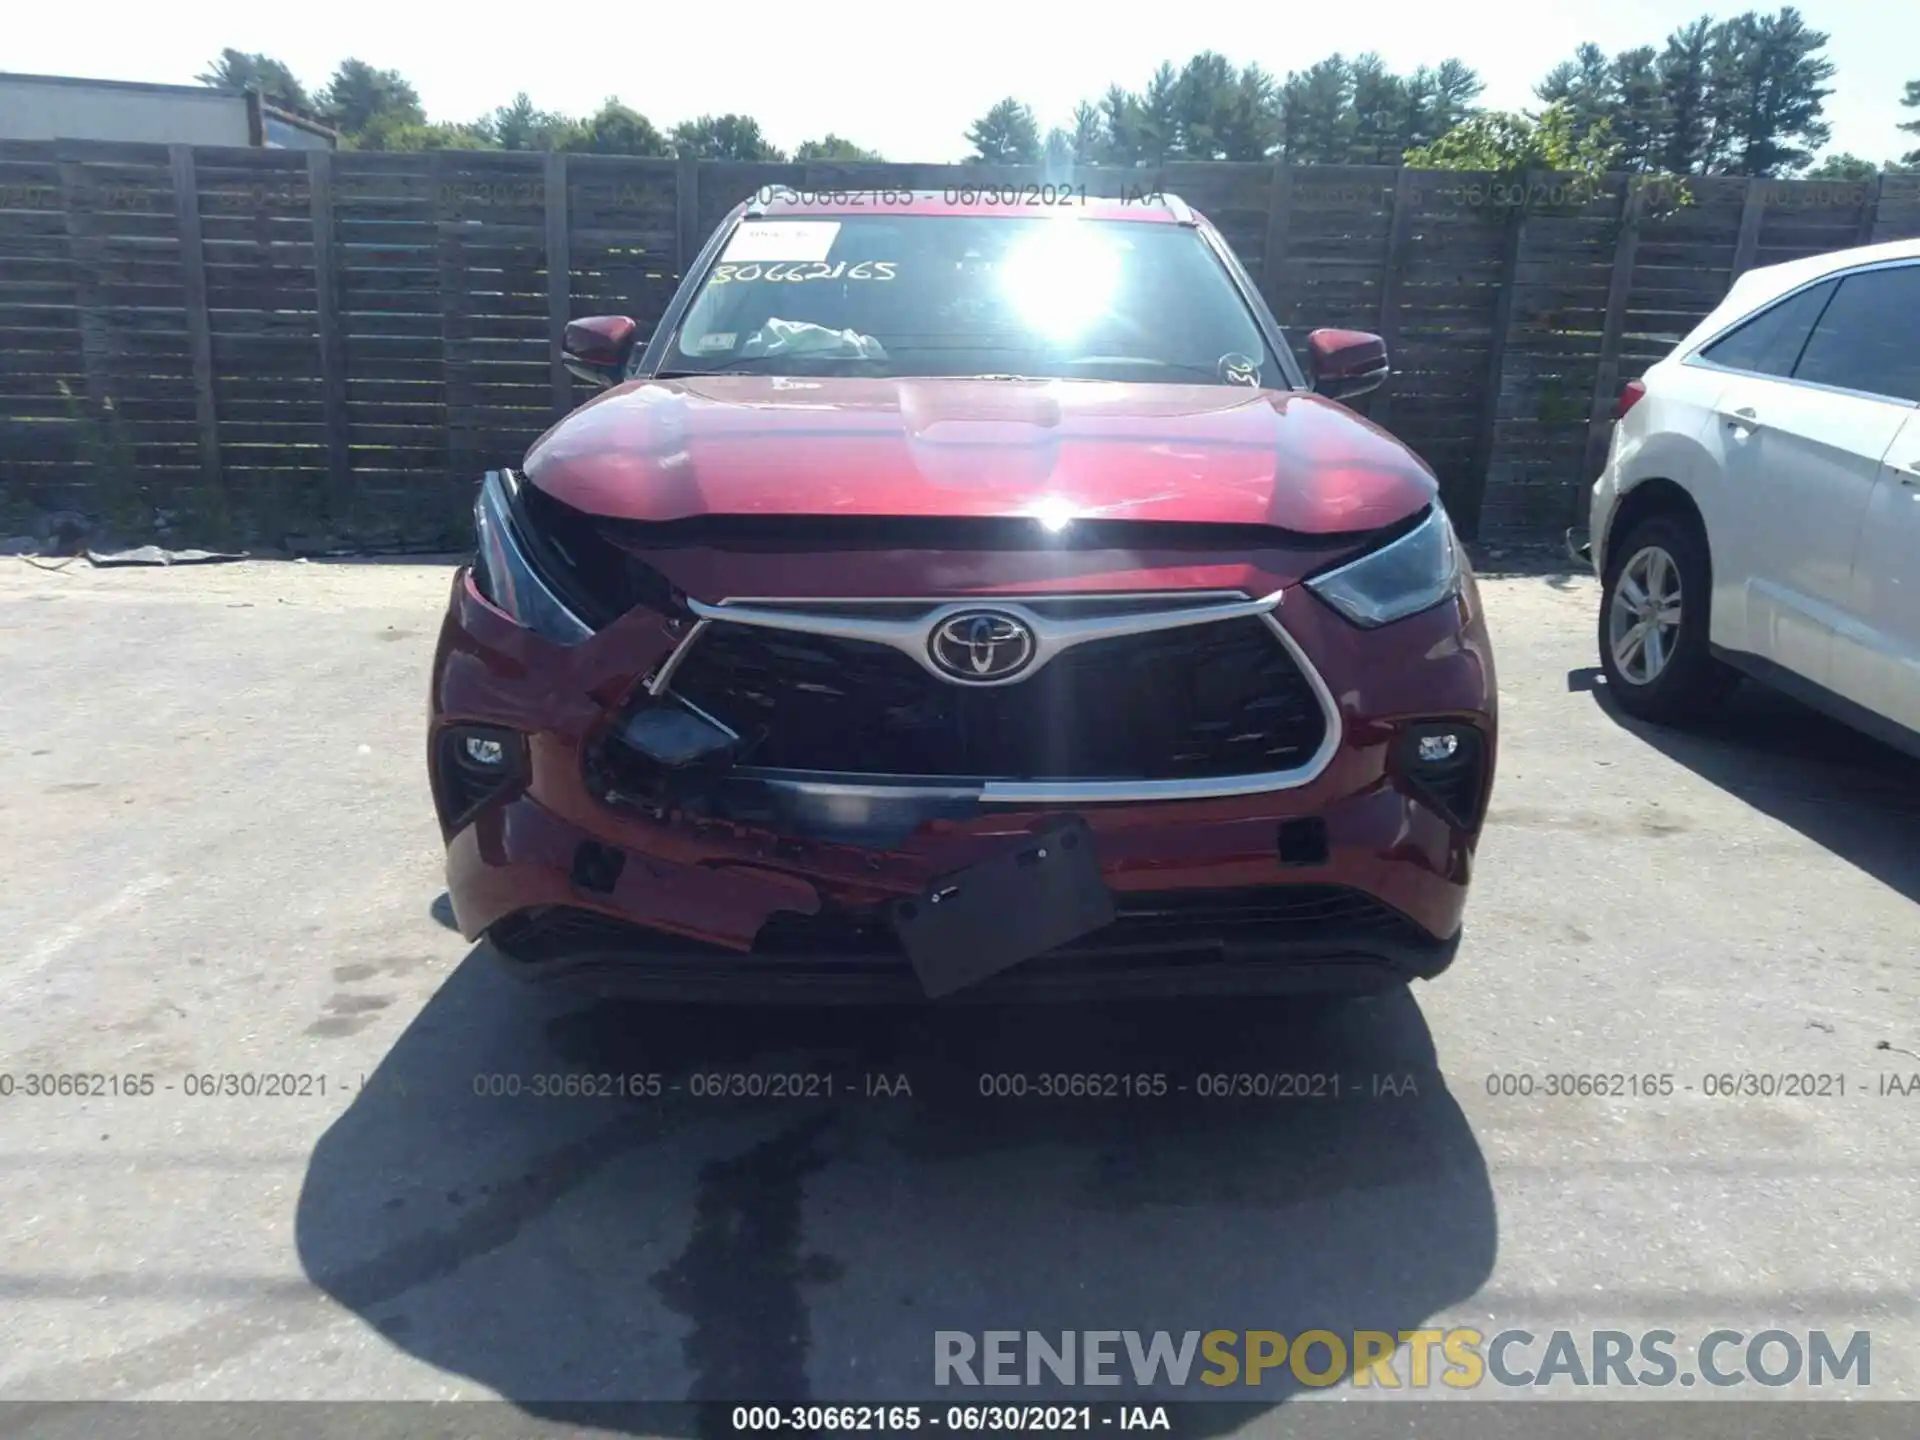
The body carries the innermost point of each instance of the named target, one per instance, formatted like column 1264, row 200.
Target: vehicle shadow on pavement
column 565, row 1251
column 1849, row 794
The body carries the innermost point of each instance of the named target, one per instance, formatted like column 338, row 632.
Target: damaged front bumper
column 728, row 886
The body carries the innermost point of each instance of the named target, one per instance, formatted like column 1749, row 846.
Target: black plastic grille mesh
column 1220, row 698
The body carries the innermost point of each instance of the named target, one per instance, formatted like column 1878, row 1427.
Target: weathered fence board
column 347, row 340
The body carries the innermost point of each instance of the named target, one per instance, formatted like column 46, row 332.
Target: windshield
column 912, row 295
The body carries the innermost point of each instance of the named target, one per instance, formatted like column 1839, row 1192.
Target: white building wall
column 75, row 110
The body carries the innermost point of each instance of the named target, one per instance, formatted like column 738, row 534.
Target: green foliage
column 250, row 70
column 387, row 132
column 1843, row 167
column 1210, row 111
column 1686, row 106
column 520, row 126
column 832, row 147
column 1768, row 93
column 1911, row 101
column 1006, row 135
column 358, row 95
column 723, row 137
column 1316, row 113
column 1583, row 86
column 1122, row 128
column 1510, row 142
column 1159, row 116
column 615, row 129
column 1357, row 112
column 1741, row 96
column 1088, row 137
column 1639, row 115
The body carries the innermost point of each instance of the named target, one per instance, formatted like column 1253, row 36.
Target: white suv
column 1759, row 513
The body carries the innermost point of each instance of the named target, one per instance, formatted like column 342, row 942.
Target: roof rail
column 1179, row 209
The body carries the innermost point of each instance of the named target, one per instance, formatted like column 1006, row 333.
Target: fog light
column 475, row 765
column 1444, row 764
column 490, row 753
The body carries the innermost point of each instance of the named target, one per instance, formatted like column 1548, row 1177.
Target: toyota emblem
column 981, row 646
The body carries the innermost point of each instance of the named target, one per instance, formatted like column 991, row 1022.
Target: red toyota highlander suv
column 959, row 597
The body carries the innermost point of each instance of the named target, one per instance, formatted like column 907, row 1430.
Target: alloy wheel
column 1643, row 622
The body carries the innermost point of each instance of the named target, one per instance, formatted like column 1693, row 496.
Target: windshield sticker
column 716, row 340
column 797, row 272
column 1240, row 370
column 782, row 240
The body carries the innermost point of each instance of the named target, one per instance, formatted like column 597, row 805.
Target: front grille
column 1175, row 922
column 1198, row 701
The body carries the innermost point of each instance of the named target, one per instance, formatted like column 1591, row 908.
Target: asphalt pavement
column 221, row 861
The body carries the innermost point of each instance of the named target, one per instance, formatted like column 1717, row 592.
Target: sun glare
column 1061, row 278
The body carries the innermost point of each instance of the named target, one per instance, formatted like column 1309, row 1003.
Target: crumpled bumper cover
column 681, row 911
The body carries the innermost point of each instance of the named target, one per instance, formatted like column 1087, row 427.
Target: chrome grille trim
column 672, row 662
column 910, row 637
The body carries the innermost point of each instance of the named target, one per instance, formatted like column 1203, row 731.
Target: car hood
column 660, row 451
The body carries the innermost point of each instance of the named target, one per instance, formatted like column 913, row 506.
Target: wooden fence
column 345, row 341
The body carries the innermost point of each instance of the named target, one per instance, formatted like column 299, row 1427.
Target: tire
column 1671, row 677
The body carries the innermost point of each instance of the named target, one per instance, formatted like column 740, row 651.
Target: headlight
column 505, row 575
column 1414, row 573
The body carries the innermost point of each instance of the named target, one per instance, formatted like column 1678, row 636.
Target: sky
column 906, row 82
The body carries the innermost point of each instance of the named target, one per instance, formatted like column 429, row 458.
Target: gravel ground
column 223, row 860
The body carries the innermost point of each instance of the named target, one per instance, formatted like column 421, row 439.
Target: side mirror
column 1346, row 363
column 596, row 348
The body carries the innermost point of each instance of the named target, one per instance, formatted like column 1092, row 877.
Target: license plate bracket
column 976, row 922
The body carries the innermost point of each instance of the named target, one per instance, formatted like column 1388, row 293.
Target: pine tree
column 1585, row 85
column 1201, row 97
column 1911, row 101
column 520, row 126
column 1249, row 126
column 1316, row 108
column 1456, row 86
column 1686, row 135
column 1006, row 135
column 1089, row 134
column 1639, row 117
column 723, row 137
column 1121, row 121
column 250, row 70
column 1160, row 116
column 1769, row 89
column 359, row 95
column 1378, row 101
